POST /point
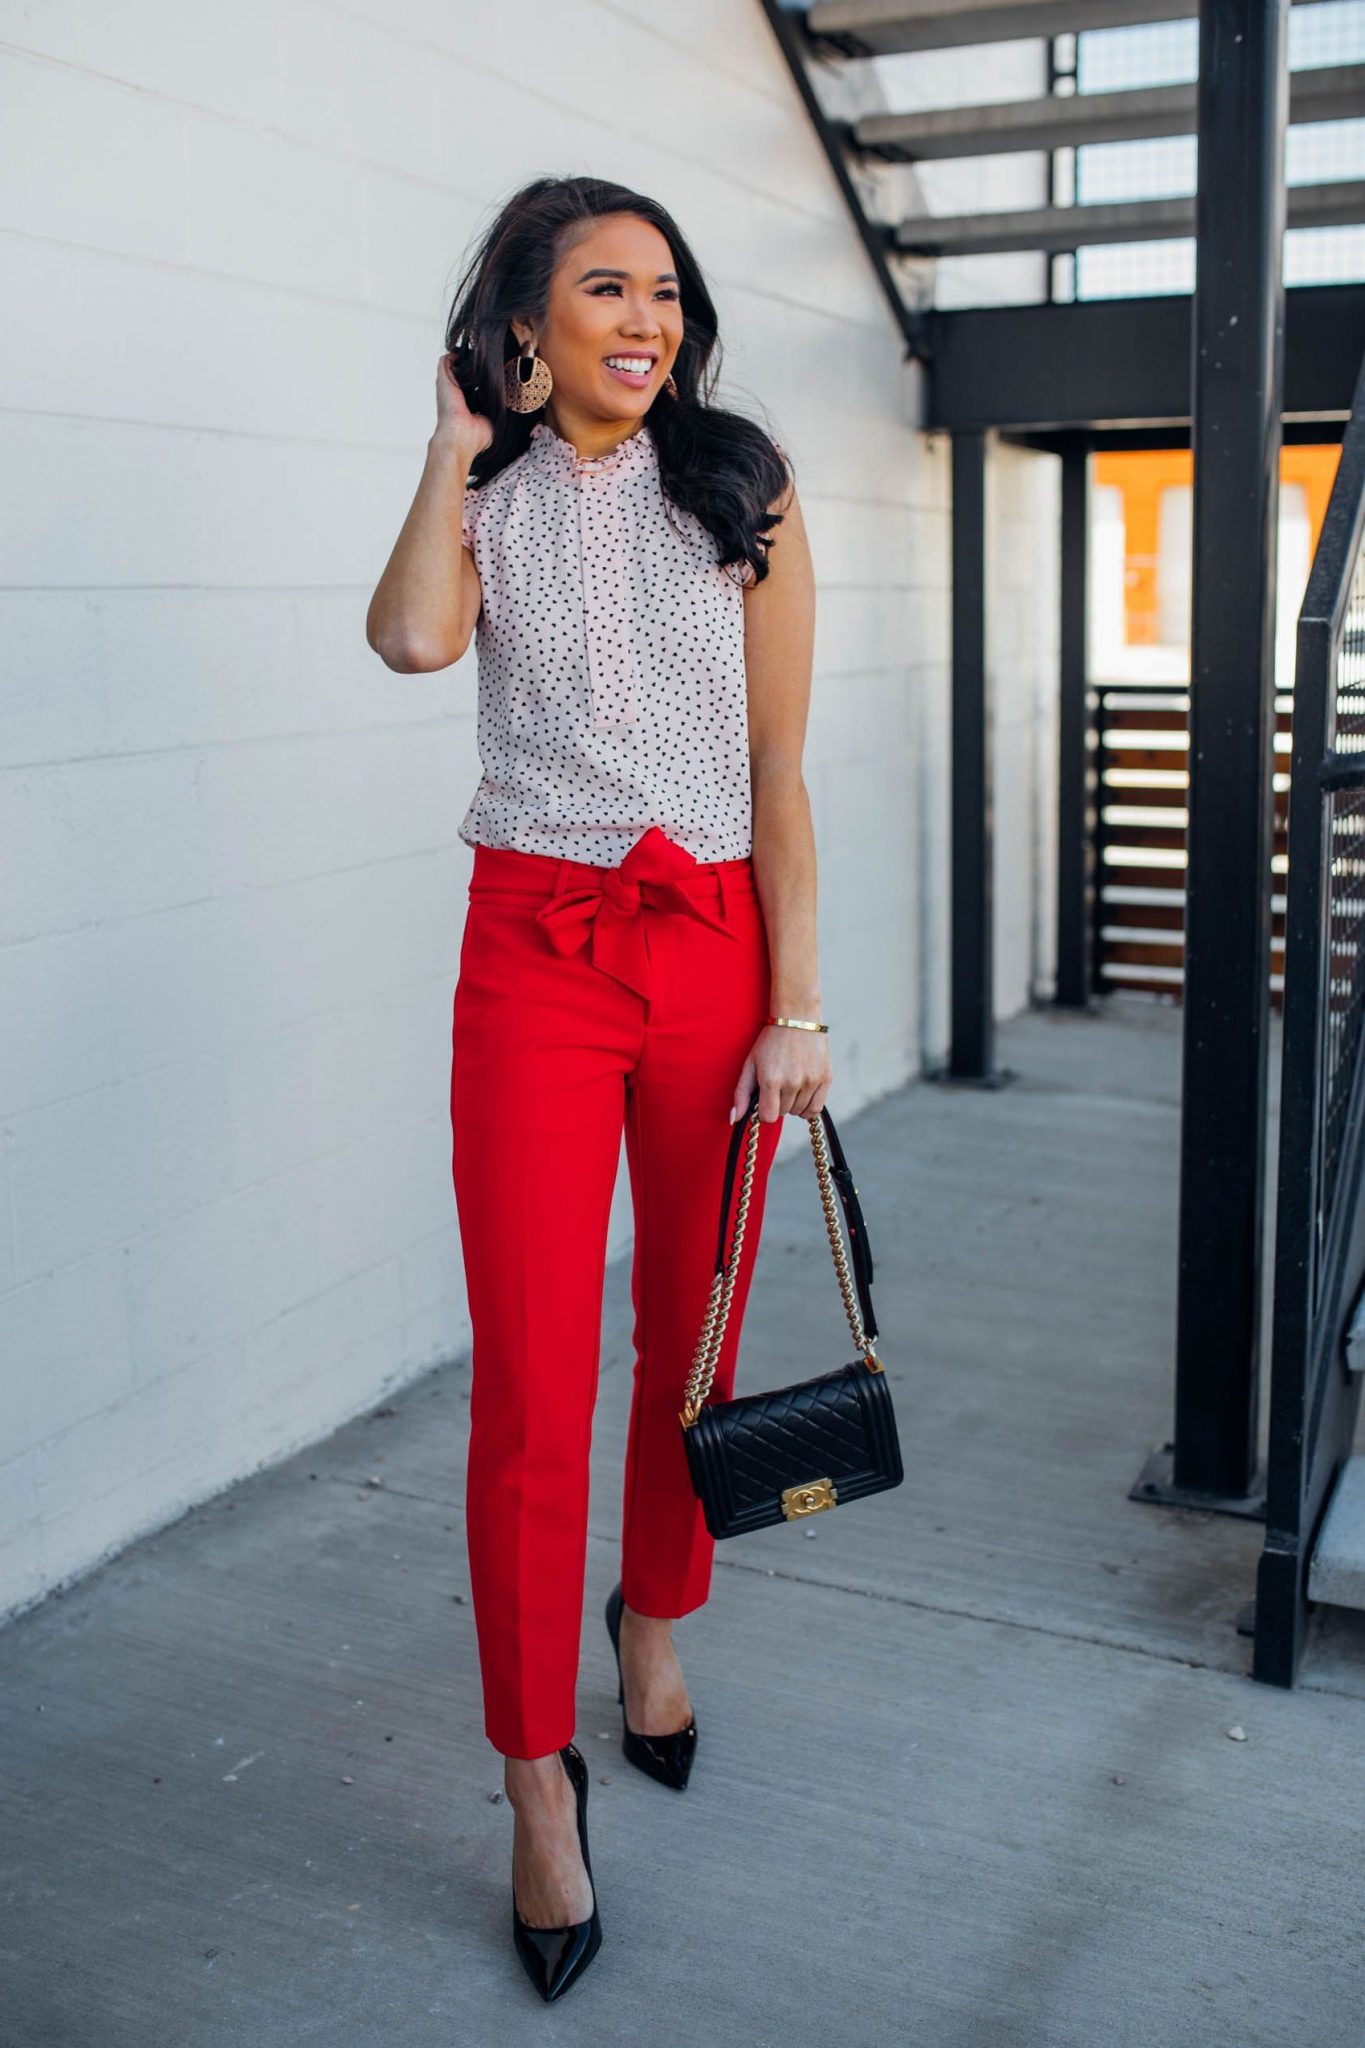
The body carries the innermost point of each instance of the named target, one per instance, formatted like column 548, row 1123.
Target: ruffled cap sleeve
column 469, row 518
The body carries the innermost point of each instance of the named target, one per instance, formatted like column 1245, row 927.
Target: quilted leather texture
column 743, row 1452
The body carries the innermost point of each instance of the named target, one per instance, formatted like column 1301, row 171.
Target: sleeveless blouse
column 612, row 691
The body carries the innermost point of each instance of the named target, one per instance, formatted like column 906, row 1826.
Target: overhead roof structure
column 1113, row 364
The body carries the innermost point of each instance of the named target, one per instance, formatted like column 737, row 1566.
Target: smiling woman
column 618, row 316
column 639, row 950
column 594, row 314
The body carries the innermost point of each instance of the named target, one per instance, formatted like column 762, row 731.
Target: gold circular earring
column 526, row 380
column 669, row 386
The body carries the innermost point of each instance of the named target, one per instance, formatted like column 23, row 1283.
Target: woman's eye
column 612, row 286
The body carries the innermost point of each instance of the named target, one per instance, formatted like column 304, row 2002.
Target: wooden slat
column 1142, row 871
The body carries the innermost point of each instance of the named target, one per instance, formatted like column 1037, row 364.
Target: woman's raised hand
column 468, row 431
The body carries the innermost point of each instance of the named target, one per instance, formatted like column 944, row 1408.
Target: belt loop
column 724, row 896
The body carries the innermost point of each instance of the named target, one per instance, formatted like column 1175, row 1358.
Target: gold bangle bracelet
column 799, row 1023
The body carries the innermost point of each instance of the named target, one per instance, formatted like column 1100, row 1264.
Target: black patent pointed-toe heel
column 665, row 1757
column 556, row 1957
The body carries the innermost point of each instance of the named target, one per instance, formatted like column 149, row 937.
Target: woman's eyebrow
column 664, row 277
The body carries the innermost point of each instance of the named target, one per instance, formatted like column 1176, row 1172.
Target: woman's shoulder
column 483, row 499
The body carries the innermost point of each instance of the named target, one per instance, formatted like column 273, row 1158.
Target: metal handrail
column 1320, row 1232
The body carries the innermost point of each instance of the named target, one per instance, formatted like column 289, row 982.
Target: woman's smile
column 632, row 370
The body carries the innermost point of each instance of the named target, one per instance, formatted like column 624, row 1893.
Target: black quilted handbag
column 765, row 1458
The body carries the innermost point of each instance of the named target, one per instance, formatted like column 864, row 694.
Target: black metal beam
column 1342, row 771
column 1113, row 363
column 1076, row 759
column 972, row 1003
column 1238, row 380
column 1109, row 440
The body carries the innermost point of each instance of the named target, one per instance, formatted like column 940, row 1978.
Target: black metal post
column 972, row 1003
column 1238, row 386
column 1076, row 762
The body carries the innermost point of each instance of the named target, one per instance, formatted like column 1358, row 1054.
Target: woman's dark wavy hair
column 713, row 463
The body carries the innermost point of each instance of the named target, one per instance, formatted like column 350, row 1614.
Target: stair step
column 1340, row 204
column 882, row 28
column 1333, row 92
column 1337, row 1571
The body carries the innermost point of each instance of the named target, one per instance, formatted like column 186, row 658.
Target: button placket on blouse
column 604, row 541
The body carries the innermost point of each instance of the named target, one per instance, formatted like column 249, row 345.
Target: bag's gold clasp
column 809, row 1498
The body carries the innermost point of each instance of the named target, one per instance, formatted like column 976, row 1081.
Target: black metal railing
column 1320, row 1228
column 1345, row 804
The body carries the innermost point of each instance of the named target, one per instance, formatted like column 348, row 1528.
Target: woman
column 639, row 949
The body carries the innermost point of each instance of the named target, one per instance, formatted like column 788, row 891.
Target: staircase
column 832, row 49
column 1061, row 352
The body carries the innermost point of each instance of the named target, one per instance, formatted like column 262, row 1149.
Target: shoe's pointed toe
column 556, row 1957
column 668, row 1758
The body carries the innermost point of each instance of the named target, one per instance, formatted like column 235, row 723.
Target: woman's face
column 614, row 324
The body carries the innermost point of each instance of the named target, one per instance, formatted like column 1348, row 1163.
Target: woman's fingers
column 791, row 1080
column 453, row 409
column 744, row 1088
column 773, row 1097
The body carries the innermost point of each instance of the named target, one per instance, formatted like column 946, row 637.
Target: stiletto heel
column 556, row 1957
column 665, row 1757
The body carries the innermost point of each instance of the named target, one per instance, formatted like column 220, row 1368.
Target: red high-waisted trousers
column 592, row 999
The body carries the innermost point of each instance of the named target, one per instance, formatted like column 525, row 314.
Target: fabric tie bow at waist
column 605, row 915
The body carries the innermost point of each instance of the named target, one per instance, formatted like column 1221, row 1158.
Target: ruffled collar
column 554, row 452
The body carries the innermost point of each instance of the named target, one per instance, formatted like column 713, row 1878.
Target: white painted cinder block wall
column 233, row 889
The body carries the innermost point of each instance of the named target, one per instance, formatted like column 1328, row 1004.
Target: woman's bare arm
column 426, row 603
column 779, row 646
column 791, row 1067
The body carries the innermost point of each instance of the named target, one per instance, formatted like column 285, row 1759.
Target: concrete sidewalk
column 965, row 1777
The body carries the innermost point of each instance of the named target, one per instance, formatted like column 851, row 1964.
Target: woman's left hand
column 791, row 1069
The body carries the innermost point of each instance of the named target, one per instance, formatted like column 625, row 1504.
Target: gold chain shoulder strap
column 712, row 1335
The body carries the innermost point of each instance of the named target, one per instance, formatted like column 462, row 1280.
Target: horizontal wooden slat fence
column 1143, row 771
